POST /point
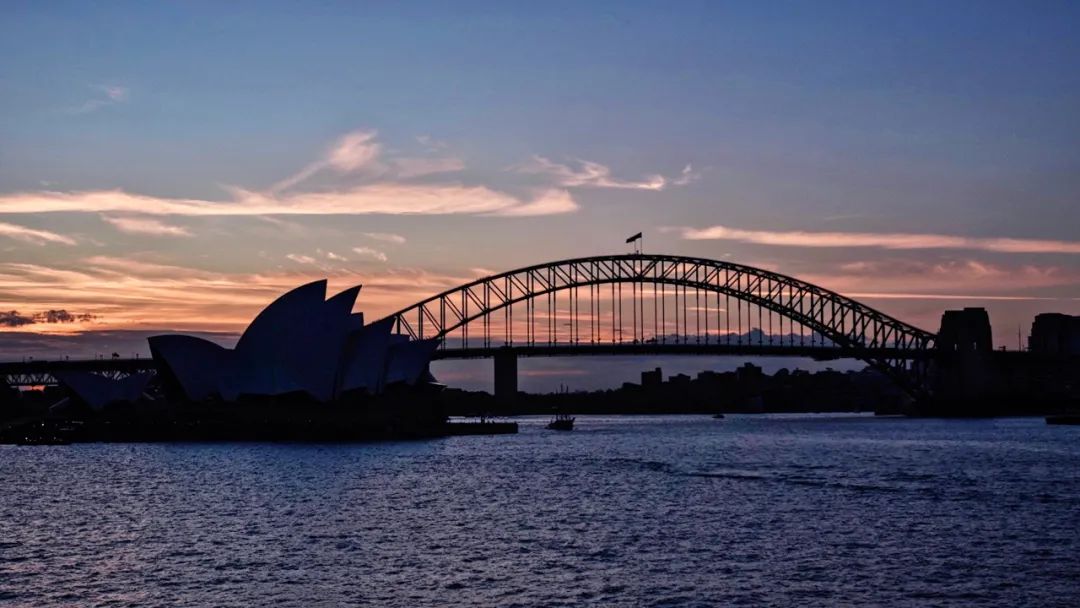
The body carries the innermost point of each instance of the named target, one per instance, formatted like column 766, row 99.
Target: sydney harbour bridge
column 630, row 304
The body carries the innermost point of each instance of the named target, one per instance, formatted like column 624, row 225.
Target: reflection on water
column 809, row 510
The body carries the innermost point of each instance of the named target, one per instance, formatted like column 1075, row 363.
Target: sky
column 175, row 166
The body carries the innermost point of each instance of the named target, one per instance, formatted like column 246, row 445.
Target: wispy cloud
column 145, row 225
column 583, row 173
column 386, row 237
column 951, row 279
column 588, row 174
column 379, row 198
column 106, row 95
column 432, row 144
column 31, row 235
column 382, row 189
column 369, row 252
column 351, row 152
column 887, row 240
column 138, row 293
column 550, row 202
column 300, row 259
column 361, row 152
column 686, row 176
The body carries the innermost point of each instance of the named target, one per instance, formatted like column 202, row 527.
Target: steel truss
column 884, row 342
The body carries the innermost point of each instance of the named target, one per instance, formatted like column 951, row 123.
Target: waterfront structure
column 303, row 345
column 1054, row 333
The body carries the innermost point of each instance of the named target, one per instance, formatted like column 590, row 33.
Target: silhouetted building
column 301, row 344
column 749, row 373
column 679, row 380
column 1055, row 333
column 651, row 379
column 965, row 330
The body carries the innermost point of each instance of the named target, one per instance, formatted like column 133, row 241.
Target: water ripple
column 679, row 511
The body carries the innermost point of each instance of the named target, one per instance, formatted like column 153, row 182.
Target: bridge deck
column 820, row 353
column 37, row 372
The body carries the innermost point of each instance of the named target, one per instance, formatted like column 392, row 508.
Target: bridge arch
column 862, row 332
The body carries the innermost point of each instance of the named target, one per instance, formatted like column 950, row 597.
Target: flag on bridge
column 636, row 237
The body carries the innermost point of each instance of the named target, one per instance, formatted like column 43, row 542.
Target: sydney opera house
column 302, row 347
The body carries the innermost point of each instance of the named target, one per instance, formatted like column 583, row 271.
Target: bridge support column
column 506, row 378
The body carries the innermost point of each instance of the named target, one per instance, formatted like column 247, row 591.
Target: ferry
column 561, row 422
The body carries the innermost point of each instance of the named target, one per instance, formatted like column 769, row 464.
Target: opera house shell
column 302, row 344
column 99, row 391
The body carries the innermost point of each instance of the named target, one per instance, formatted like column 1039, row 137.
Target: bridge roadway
column 37, row 372
column 820, row 353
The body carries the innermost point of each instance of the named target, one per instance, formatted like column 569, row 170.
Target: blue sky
column 533, row 132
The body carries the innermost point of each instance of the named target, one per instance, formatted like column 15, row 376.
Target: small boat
column 1063, row 419
column 561, row 422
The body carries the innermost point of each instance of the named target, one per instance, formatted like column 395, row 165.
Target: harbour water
column 808, row 510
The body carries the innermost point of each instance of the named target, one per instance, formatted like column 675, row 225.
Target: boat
column 1063, row 419
column 561, row 422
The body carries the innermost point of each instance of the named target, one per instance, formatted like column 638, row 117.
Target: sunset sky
column 175, row 166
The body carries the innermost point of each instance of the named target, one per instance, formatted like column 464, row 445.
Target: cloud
column 583, row 173
column 142, row 293
column 686, row 176
column 433, row 145
column 354, row 151
column 360, row 151
column 351, row 152
column 386, row 237
column 12, row 318
column 880, row 240
column 108, row 94
column 951, row 279
column 30, row 235
column 379, row 198
column 370, row 253
column 357, row 151
column 587, row 174
column 144, row 225
column 552, row 202
column 115, row 93
column 330, row 255
column 300, row 259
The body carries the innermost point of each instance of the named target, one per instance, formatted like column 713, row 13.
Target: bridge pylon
column 506, row 376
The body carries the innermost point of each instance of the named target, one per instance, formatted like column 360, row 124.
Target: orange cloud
column 30, row 235
column 954, row 279
column 382, row 198
column 122, row 293
column 886, row 240
column 143, row 225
